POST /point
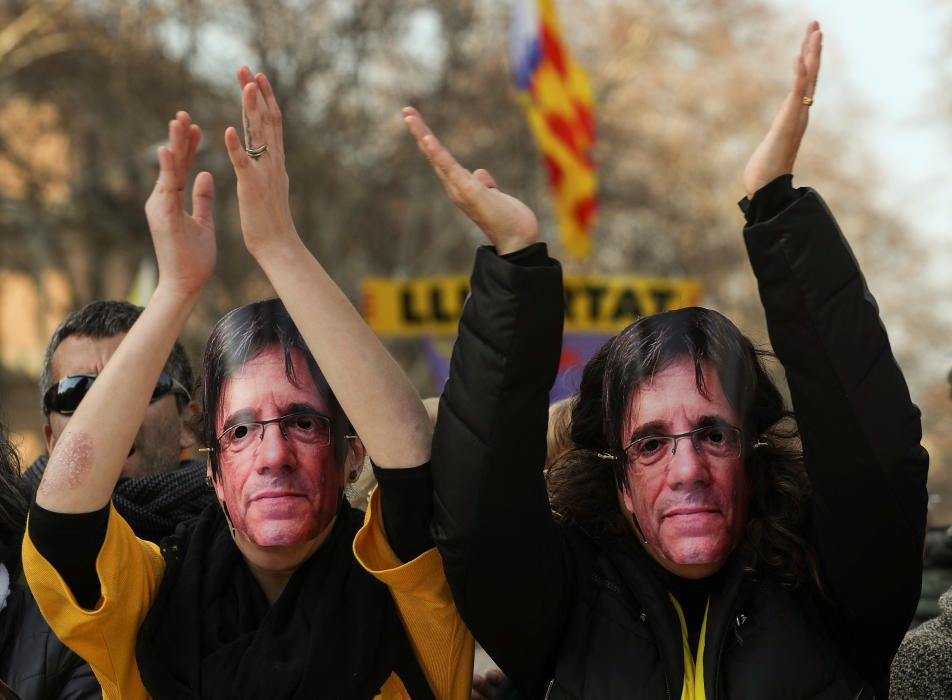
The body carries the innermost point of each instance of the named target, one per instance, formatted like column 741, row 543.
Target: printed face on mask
column 688, row 490
column 278, row 479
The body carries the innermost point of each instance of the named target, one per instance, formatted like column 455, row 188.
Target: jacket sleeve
column 861, row 432
column 503, row 555
column 440, row 641
column 130, row 571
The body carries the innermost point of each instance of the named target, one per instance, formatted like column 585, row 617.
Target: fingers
column 271, row 104
column 193, row 139
column 166, row 182
column 245, row 77
column 453, row 175
column 487, row 687
column 495, row 677
column 811, row 57
column 482, row 689
column 800, row 81
column 236, row 152
column 178, row 148
column 262, row 124
column 485, row 178
column 807, row 63
column 184, row 138
column 203, row 199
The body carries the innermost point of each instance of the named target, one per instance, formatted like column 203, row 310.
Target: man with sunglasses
column 160, row 485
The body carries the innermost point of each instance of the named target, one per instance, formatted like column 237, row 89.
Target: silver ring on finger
column 255, row 152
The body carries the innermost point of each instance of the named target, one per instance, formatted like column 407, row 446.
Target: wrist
column 515, row 244
column 175, row 295
column 278, row 250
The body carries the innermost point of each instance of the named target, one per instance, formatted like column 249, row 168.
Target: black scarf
column 153, row 505
column 333, row 633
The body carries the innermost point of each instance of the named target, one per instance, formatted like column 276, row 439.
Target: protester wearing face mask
column 267, row 594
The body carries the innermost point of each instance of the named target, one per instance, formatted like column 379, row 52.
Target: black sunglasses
column 64, row 396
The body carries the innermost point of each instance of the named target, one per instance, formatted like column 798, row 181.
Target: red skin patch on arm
column 71, row 460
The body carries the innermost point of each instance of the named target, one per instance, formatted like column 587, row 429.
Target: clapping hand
column 777, row 153
column 184, row 243
column 508, row 223
column 263, row 203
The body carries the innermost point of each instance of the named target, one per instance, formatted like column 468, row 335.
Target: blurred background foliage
column 684, row 91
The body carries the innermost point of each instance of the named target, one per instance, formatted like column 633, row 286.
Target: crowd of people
column 676, row 529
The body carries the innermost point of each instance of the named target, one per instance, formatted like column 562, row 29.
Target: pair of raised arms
column 510, row 225
column 379, row 400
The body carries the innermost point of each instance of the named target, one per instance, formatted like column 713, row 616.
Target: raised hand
column 184, row 243
column 263, row 203
column 777, row 153
column 508, row 223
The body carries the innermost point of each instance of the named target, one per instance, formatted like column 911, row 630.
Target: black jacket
column 581, row 619
column 33, row 662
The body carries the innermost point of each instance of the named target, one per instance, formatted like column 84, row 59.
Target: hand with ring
column 777, row 153
column 263, row 204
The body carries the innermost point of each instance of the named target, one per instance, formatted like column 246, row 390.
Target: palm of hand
column 263, row 203
column 507, row 222
column 184, row 243
column 184, row 246
column 195, row 257
column 777, row 153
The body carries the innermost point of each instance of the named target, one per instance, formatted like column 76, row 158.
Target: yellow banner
column 593, row 303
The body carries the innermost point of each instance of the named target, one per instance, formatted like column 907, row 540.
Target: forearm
column 378, row 398
column 87, row 458
column 504, row 557
column 859, row 428
column 406, row 505
column 825, row 328
column 71, row 543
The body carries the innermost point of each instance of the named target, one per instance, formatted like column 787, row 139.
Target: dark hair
column 584, row 484
column 106, row 319
column 13, row 506
column 240, row 336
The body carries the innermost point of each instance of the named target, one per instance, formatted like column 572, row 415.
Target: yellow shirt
column 693, row 688
column 131, row 569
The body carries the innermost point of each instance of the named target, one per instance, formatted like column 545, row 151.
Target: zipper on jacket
column 739, row 622
column 548, row 690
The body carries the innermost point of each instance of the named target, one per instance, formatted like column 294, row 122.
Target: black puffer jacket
column 574, row 618
column 33, row 662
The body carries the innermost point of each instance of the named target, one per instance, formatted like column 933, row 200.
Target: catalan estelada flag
column 559, row 105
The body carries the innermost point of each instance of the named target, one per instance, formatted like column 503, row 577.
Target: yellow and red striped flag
column 560, row 108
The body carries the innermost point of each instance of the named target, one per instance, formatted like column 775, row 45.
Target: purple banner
column 577, row 348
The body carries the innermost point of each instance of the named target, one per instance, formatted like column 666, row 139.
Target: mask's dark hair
column 106, row 319
column 584, row 484
column 240, row 336
column 13, row 506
